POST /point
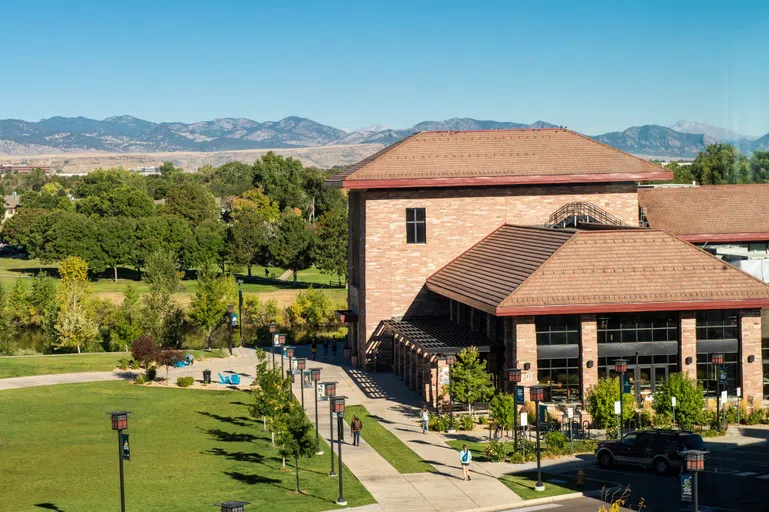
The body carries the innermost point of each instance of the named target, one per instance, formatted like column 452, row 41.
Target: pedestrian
column 464, row 458
column 314, row 349
column 325, row 350
column 266, row 273
column 356, row 425
column 333, row 350
column 425, row 417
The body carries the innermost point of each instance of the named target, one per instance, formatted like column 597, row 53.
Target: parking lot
column 735, row 479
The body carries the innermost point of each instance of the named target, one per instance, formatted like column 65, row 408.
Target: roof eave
column 725, row 237
column 576, row 309
column 482, row 181
column 449, row 294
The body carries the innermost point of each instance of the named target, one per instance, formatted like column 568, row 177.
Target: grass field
column 476, row 448
column 23, row 366
column 523, row 484
column 189, row 449
column 394, row 451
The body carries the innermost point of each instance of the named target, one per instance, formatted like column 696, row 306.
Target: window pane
column 411, row 233
column 410, row 215
column 420, row 214
column 421, row 231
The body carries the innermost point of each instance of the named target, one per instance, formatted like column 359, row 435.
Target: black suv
column 657, row 449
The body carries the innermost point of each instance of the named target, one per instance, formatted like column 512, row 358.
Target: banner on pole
column 125, row 451
column 686, row 487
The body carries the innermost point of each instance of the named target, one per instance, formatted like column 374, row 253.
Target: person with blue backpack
column 464, row 458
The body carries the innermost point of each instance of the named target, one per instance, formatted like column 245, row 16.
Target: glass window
column 560, row 378
column 557, row 330
column 416, row 226
column 717, row 325
column 706, row 373
column 641, row 327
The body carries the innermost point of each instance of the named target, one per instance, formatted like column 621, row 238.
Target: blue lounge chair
column 235, row 379
column 224, row 380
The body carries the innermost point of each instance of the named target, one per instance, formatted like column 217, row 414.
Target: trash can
column 206, row 376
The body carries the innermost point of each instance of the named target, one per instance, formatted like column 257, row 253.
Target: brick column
column 526, row 350
column 589, row 352
column 687, row 347
column 750, row 345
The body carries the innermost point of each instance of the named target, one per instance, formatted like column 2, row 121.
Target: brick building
column 525, row 243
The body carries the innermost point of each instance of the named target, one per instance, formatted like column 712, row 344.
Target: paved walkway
column 63, row 378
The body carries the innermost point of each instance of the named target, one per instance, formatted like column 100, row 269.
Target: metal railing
column 582, row 212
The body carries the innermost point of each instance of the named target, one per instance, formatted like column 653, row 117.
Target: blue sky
column 592, row 66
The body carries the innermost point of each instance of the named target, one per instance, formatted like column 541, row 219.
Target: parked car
column 657, row 449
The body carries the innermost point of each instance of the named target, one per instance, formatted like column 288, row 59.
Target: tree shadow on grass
column 49, row 506
column 241, row 421
column 231, row 437
column 252, row 479
column 380, row 419
column 254, row 457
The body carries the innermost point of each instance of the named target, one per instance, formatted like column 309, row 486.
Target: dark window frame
column 555, row 330
column 718, row 325
column 416, row 226
column 638, row 327
column 558, row 366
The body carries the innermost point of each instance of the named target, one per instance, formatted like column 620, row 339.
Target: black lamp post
column 230, row 309
column 273, row 329
column 233, row 506
column 718, row 360
column 301, row 364
column 120, row 423
column 281, row 344
column 338, row 407
column 620, row 366
column 695, row 462
column 450, row 360
column 240, row 311
column 315, row 375
column 537, row 393
column 514, row 377
column 290, row 355
column 331, row 393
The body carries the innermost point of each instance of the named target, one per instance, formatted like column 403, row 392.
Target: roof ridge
column 354, row 168
column 613, row 148
column 497, row 130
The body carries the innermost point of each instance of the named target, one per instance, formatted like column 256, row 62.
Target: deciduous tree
column 292, row 246
column 330, row 251
column 690, row 399
column 75, row 327
column 192, row 202
column 470, row 380
column 209, row 306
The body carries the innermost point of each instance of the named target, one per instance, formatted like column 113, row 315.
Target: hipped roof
column 495, row 157
column 521, row 270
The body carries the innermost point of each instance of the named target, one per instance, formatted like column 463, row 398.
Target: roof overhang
column 637, row 307
column 725, row 237
column 483, row 181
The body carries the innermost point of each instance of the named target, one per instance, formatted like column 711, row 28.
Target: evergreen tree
column 469, row 379
column 330, row 252
column 292, row 246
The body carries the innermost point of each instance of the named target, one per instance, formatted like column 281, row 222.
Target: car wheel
column 605, row 460
column 661, row 466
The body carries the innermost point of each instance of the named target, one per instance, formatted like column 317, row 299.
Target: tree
column 126, row 328
column 502, row 410
column 18, row 304
column 718, row 164
column 27, row 229
column 52, row 196
column 690, row 399
column 469, row 379
column 330, row 252
column 124, row 201
column 73, row 234
column 759, row 166
column 292, row 246
column 163, row 280
column 173, row 328
column 270, row 395
column 192, row 202
column 75, row 327
column 117, row 237
column 7, row 329
column 42, row 300
column 254, row 201
column 209, row 306
column 600, row 403
column 248, row 239
column 311, row 311
column 210, row 237
column 281, row 178
column 168, row 358
column 144, row 350
column 321, row 199
column 681, row 173
column 296, row 437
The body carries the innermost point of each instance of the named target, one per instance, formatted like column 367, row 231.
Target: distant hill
column 128, row 134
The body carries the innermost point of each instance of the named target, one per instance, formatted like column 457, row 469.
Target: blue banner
column 519, row 394
column 686, row 487
column 722, row 374
column 125, row 452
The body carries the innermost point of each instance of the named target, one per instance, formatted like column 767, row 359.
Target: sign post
column 618, row 411
column 673, row 400
column 739, row 404
column 570, row 415
column 525, row 427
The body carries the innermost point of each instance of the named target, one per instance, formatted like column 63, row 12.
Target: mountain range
column 127, row 134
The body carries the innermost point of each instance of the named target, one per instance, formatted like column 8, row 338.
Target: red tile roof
column 529, row 271
column 496, row 157
column 709, row 213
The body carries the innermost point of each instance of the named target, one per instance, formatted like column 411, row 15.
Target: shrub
column 555, row 441
column 144, row 350
column 756, row 416
column 518, row 457
column 730, row 414
column 438, row 422
column 152, row 373
column 123, row 363
column 464, row 422
column 600, row 403
column 502, row 410
column 482, row 420
column 496, row 451
column 140, row 379
column 185, row 382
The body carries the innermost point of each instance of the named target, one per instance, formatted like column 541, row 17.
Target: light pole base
column 451, row 431
column 319, row 452
column 342, row 502
column 333, row 473
column 539, row 487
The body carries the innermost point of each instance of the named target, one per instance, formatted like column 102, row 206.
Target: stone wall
column 688, row 344
column 752, row 373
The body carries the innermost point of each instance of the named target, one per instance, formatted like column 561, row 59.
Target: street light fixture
column 514, row 377
column 233, row 506
column 620, row 366
column 331, row 393
column 718, row 360
column 120, row 423
column 290, row 355
column 301, row 364
column 338, row 407
column 281, row 343
column 536, row 394
column 695, row 462
column 240, row 311
column 230, row 309
column 315, row 376
column 273, row 340
column 450, row 360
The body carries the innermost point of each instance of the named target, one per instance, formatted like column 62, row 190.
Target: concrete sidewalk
column 63, row 378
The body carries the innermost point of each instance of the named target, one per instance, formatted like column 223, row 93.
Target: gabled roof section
column 712, row 213
column 512, row 274
column 496, row 157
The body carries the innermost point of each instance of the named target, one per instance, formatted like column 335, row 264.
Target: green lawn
column 522, row 484
column 386, row 444
column 189, row 449
column 476, row 448
column 23, row 366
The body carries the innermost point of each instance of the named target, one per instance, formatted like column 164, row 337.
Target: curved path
column 62, row 378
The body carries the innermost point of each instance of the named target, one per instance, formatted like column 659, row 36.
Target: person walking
column 425, row 417
column 464, row 458
column 356, row 425
column 314, row 349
